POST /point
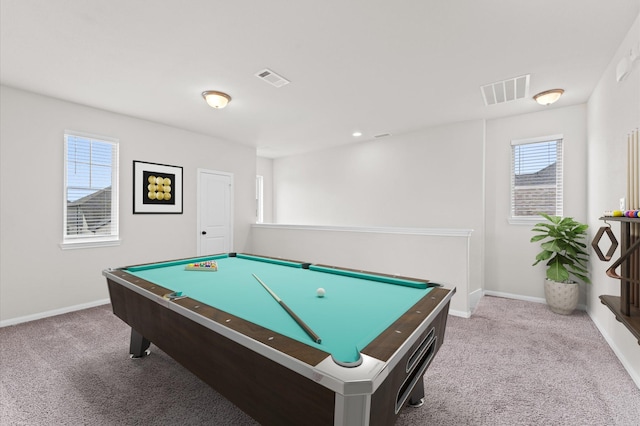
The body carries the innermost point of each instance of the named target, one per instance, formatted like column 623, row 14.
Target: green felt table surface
column 355, row 309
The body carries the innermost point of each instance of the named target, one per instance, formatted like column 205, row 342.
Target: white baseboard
column 525, row 298
column 457, row 313
column 514, row 296
column 41, row 315
column 475, row 297
column 623, row 360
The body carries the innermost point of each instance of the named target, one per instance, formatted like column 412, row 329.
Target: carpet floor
column 512, row 363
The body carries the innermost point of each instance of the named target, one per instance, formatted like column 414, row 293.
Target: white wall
column 508, row 253
column 427, row 179
column 613, row 112
column 419, row 179
column 439, row 256
column 36, row 276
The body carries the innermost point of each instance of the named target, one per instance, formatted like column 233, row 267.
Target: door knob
column 204, row 232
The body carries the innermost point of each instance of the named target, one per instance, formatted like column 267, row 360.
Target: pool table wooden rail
column 360, row 271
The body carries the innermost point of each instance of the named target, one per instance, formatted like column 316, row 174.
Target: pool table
column 249, row 330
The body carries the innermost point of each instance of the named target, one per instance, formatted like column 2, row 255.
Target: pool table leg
column 417, row 395
column 139, row 345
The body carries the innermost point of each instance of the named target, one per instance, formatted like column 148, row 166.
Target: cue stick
column 297, row 319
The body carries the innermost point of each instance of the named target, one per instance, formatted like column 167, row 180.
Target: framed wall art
column 157, row 188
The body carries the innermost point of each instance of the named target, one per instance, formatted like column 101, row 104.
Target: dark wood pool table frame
column 278, row 380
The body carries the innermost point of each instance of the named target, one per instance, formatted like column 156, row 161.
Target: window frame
column 87, row 240
column 259, row 199
column 532, row 219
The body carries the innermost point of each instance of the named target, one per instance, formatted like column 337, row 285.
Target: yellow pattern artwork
column 159, row 188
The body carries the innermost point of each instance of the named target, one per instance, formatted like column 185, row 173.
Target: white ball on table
column 320, row 292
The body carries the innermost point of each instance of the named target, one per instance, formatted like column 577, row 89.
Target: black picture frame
column 163, row 195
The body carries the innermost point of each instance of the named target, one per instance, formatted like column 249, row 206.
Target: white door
column 215, row 212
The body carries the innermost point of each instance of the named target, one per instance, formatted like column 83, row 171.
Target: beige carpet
column 512, row 363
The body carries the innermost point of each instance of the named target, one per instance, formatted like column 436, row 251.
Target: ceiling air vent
column 506, row 91
column 272, row 78
column 382, row 135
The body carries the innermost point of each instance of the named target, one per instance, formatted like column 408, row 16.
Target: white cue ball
column 320, row 292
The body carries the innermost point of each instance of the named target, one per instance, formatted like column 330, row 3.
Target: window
column 536, row 178
column 259, row 199
column 90, row 191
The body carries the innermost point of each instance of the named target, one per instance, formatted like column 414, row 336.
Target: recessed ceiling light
column 356, row 134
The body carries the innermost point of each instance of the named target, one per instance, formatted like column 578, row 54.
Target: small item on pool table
column 174, row 296
column 320, row 292
column 209, row 265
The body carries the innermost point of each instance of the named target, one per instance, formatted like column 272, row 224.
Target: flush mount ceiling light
column 548, row 97
column 216, row 99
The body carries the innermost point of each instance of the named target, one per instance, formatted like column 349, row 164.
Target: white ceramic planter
column 562, row 298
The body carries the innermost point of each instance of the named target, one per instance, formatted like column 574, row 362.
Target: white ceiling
column 377, row 66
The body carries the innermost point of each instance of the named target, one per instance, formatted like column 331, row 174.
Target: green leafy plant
column 560, row 240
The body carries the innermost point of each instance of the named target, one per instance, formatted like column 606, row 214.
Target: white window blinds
column 91, row 189
column 536, row 177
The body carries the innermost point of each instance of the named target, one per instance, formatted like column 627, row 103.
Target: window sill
column 525, row 220
column 83, row 244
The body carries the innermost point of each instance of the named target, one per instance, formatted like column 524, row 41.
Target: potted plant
column 566, row 257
